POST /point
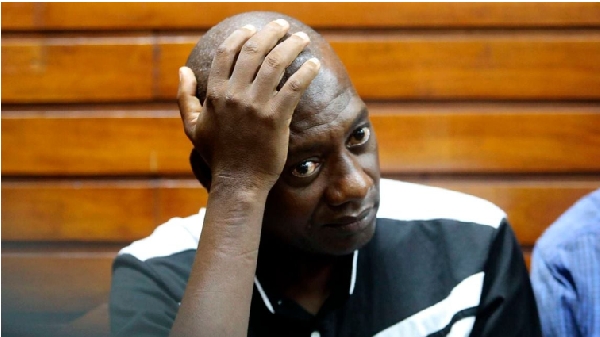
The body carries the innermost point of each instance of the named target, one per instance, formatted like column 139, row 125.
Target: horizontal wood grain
column 412, row 139
column 64, row 211
column 530, row 206
column 446, row 67
column 101, row 69
column 110, row 16
column 114, row 145
column 55, row 282
column 474, row 67
column 76, row 212
column 507, row 66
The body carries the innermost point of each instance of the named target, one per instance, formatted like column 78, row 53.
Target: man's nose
column 349, row 181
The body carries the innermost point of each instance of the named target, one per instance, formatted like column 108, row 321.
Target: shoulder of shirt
column 408, row 201
column 172, row 237
column 580, row 220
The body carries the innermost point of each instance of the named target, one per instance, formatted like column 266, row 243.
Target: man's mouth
column 352, row 222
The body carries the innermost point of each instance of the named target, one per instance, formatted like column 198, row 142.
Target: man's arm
column 242, row 130
column 566, row 287
column 507, row 306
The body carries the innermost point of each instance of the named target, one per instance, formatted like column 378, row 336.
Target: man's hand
column 242, row 129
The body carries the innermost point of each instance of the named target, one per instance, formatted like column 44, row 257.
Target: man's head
column 326, row 198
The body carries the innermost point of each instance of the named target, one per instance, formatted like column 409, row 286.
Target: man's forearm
column 219, row 291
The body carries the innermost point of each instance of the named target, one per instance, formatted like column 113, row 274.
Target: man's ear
column 200, row 169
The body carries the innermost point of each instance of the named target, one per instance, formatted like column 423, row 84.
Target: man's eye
column 359, row 137
column 305, row 169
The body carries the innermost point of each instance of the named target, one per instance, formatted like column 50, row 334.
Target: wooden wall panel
column 512, row 142
column 531, row 206
column 77, row 211
column 89, row 146
column 172, row 54
column 481, row 66
column 87, row 69
column 180, row 198
column 111, row 16
column 117, row 212
column 54, row 282
column 409, row 142
column 474, row 67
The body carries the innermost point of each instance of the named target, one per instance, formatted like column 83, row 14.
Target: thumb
column 189, row 104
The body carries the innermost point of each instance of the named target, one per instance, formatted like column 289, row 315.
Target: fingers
column 254, row 51
column 276, row 62
column 288, row 97
column 189, row 105
column 227, row 52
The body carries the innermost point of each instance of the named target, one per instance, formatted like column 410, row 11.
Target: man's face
column 326, row 199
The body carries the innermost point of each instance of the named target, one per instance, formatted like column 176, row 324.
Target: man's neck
column 302, row 277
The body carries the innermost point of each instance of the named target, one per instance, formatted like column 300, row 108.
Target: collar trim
column 264, row 296
column 354, row 267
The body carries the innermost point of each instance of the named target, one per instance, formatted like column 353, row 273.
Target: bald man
column 300, row 236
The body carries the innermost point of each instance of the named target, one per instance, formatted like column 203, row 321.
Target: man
column 284, row 145
column 565, row 271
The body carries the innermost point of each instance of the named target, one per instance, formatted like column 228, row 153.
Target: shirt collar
column 267, row 302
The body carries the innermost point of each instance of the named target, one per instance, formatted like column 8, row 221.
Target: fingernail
column 303, row 36
column 283, row 23
column 250, row 28
column 315, row 61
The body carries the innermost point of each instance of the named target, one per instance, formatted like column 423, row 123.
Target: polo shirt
column 441, row 263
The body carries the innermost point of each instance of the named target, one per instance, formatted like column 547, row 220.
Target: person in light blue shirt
column 565, row 272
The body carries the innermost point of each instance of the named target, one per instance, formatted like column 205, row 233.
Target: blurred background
column 497, row 100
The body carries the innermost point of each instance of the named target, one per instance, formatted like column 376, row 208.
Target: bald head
column 325, row 92
column 200, row 59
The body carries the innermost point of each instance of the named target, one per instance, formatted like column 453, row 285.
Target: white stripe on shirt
column 407, row 201
column 436, row 317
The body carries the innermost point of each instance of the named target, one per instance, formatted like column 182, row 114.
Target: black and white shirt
column 441, row 263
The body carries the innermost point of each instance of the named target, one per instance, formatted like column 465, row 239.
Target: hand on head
column 242, row 128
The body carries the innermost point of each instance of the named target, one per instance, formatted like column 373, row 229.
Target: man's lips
column 349, row 219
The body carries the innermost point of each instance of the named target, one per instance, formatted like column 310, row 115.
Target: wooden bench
column 499, row 100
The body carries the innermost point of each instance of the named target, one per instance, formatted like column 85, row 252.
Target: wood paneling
column 484, row 66
column 503, row 142
column 113, row 211
column 76, row 69
column 410, row 140
column 530, row 206
column 111, row 16
column 172, row 55
column 55, row 282
column 88, row 146
column 77, row 211
column 474, row 67
column 179, row 198
column 505, row 66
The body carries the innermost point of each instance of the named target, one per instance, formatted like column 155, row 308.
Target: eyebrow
column 314, row 146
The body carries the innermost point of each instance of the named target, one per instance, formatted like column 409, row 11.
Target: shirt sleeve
column 567, row 285
column 507, row 306
column 141, row 303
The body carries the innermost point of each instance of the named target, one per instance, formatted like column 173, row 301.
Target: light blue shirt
column 565, row 272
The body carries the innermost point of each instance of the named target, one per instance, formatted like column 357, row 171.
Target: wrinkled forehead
column 330, row 94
